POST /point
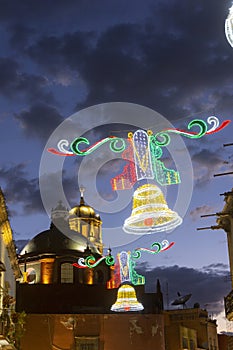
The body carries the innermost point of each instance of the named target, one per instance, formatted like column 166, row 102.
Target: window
column 87, row 343
column 31, row 275
column 67, row 275
column 191, row 344
column 99, row 276
column 87, row 347
column 185, row 343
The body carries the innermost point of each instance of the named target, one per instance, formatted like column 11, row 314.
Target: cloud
column 20, row 190
column 39, row 121
column 15, row 84
column 146, row 62
column 198, row 211
column 20, row 35
column 208, row 286
column 206, row 163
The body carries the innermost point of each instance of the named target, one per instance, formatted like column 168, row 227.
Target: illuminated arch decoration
column 150, row 212
column 115, row 141
column 160, row 247
column 142, row 150
column 91, row 262
column 229, row 26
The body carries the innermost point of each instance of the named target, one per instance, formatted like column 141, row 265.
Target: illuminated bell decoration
column 229, row 26
column 150, row 212
column 126, row 300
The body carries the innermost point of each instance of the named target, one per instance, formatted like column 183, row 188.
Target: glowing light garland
column 63, row 144
column 91, row 262
column 161, row 247
column 195, row 135
column 229, row 27
column 150, row 212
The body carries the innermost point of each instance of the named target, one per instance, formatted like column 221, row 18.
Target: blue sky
column 172, row 57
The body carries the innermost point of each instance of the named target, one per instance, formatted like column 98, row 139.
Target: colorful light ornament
column 74, row 146
column 118, row 144
column 126, row 300
column 126, row 295
column 91, row 262
column 150, row 212
column 160, row 247
column 229, row 26
column 143, row 151
column 128, row 177
column 127, row 269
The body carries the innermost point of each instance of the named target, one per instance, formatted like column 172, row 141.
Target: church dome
column 83, row 210
column 53, row 241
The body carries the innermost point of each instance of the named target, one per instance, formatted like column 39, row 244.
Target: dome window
column 67, row 273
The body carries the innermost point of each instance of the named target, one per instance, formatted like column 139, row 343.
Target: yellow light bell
column 150, row 212
column 126, row 300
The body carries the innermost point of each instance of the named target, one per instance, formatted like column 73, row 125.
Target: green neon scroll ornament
column 114, row 141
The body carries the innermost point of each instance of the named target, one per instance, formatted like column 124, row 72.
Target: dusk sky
column 169, row 59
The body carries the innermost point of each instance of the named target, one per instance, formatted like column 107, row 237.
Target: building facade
column 9, row 273
column 225, row 222
column 190, row 329
column 69, row 304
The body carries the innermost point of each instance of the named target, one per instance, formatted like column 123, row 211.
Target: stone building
column 190, row 329
column 69, row 307
column 9, row 273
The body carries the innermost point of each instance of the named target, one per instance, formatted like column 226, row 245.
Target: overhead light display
column 143, row 152
column 118, row 145
column 229, row 26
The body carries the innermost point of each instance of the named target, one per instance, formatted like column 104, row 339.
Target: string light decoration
column 150, row 212
column 126, row 295
column 128, row 177
column 114, row 146
column 91, row 262
column 127, row 269
column 117, row 144
column 126, row 300
column 160, row 247
column 229, row 26
column 142, row 150
column 142, row 157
